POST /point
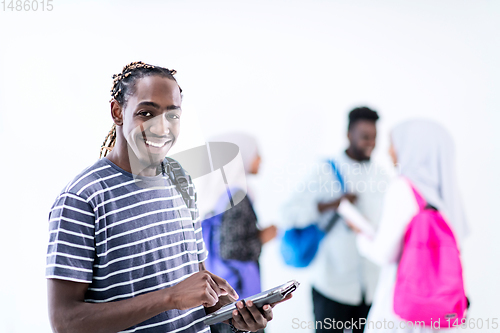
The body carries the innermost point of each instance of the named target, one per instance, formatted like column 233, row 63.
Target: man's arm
column 334, row 205
column 69, row 312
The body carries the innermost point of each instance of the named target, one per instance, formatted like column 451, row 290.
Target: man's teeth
column 157, row 145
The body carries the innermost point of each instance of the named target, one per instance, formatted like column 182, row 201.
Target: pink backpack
column 429, row 285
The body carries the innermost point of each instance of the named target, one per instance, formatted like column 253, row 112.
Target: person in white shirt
column 343, row 282
column 423, row 151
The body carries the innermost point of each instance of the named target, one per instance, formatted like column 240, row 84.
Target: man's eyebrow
column 147, row 103
column 156, row 106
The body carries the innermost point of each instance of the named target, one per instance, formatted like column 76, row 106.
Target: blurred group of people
column 128, row 238
column 353, row 275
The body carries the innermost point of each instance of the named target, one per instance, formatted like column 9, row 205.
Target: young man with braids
column 125, row 252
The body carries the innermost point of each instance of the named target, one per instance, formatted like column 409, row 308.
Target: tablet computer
column 349, row 212
column 266, row 297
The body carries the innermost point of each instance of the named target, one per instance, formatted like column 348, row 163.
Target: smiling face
column 149, row 124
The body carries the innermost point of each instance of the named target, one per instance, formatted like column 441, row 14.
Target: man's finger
column 215, row 286
column 284, row 299
column 267, row 312
column 224, row 286
column 238, row 320
column 256, row 314
column 211, row 298
column 245, row 313
column 212, row 291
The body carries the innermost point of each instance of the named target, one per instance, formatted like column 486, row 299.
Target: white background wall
column 286, row 71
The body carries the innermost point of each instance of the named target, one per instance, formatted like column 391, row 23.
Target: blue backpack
column 299, row 245
column 243, row 276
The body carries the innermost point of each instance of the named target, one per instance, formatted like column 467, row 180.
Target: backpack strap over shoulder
column 179, row 178
column 337, row 174
column 422, row 204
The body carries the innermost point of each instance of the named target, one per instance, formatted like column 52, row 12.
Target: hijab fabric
column 426, row 156
column 212, row 187
column 246, row 143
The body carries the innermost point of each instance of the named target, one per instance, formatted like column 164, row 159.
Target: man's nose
column 160, row 126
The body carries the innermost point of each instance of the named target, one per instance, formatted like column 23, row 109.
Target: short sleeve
column 71, row 248
column 195, row 214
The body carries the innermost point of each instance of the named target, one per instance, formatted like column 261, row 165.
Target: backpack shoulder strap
column 337, row 174
column 422, row 204
column 179, row 178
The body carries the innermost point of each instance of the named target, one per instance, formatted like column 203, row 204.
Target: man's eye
column 174, row 116
column 145, row 113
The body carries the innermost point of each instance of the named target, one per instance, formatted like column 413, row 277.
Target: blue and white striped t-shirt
column 127, row 236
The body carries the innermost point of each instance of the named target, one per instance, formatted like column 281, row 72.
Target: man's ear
column 117, row 112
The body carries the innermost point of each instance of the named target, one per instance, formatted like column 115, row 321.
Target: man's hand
column 268, row 234
column 351, row 197
column 334, row 205
column 250, row 318
column 353, row 227
column 202, row 288
column 245, row 318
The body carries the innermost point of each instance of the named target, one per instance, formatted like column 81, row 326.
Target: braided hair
column 124, row 85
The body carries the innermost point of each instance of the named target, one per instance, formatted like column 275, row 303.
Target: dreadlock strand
column 109, row 142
